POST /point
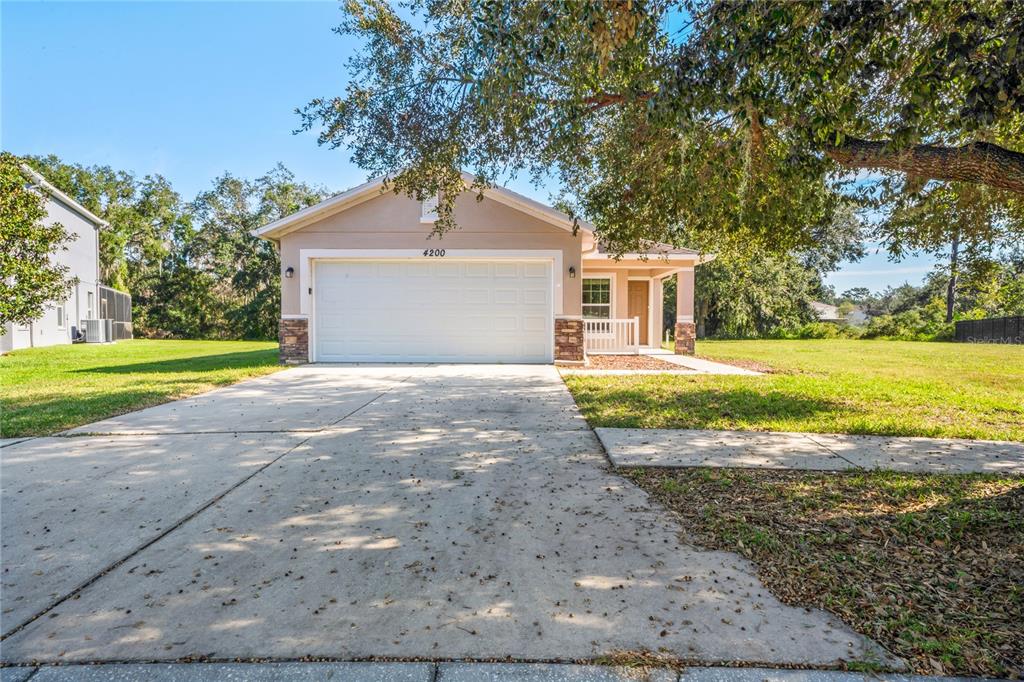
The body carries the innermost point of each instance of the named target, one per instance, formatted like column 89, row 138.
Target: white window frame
column 90, row 298
column 62, row 316
column 610, row 276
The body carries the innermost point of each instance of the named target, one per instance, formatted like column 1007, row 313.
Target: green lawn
column 45, row 390
column 827, row 386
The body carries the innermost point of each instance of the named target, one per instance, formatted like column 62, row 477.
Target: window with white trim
column 597, row 298
column 89, row 306
column 428, row 210
column 61, row 316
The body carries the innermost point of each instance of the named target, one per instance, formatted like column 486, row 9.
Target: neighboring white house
column 82, row 259
column 826, row 312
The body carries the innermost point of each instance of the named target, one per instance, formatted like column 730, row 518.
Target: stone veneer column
column 686, row 330
column 569, row 341
column 293, row 341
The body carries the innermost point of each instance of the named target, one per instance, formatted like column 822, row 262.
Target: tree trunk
column 979, row 162
column 953, row 273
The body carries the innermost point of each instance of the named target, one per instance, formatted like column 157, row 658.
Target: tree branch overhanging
column 978, row 162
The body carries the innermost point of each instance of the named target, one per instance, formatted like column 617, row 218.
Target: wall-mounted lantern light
column 289, row 272
column 572, row 272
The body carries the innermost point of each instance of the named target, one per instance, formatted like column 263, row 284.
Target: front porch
column 623, row 301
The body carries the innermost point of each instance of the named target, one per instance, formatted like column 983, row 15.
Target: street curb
column 434, row 672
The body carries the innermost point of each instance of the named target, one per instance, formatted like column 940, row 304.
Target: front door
column 638, row 298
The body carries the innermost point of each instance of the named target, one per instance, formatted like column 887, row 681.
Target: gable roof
column 376, row 187
column 56, row 194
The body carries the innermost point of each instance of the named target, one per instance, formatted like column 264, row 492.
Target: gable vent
column 428, row 210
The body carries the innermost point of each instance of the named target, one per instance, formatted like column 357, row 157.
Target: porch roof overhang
column 661, row 259
column 658, row 266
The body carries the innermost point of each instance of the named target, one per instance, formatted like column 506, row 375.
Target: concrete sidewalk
column 434, row 672
column 699, row 365
column 807, row 451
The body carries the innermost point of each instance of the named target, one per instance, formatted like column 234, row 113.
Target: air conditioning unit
column 95, row 331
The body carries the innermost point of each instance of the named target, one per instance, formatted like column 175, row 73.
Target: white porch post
column 657, row 312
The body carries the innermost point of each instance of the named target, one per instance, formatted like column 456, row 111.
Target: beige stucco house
column 361, row 281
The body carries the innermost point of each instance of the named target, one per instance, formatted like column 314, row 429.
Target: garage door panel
column 535, row 270
column 535, row 323
column 506, row 270
column 479, row 270
column 506, row 297
column 535, row 296
column 477, row 297
column 426, row 310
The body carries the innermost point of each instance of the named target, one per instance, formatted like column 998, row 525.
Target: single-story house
column 56, row 324
column 826, row 312
column 362, row 281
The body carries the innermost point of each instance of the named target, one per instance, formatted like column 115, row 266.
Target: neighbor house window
column 60, row 316
column 597, row 298
column 89, row 307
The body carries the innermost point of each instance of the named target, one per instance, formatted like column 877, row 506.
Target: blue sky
column 193, row 89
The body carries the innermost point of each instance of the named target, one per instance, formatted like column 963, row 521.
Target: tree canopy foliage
column 30, row 280
column 974, row 222
column 749, row 296
column 193, row 268
column 734, row 122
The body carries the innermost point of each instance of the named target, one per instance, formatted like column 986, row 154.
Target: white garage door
column 432, row 311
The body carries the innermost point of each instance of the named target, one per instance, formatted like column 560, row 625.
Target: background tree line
column 770, row 296
column 192, row 267
column 195, row 271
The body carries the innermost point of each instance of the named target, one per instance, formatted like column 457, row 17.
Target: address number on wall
column 433, row 252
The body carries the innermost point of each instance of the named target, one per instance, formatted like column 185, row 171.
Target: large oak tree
column 732, row 122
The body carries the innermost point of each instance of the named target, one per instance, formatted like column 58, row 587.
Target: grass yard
column 45, row 390
column 930, row 566
column 827, row 386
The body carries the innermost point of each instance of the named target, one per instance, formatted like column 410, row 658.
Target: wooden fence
column 991, row 330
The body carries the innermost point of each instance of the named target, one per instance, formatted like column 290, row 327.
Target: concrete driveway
column 351, row 512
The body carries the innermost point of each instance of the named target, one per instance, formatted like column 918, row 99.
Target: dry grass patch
column 629, row 362
column 931, row 566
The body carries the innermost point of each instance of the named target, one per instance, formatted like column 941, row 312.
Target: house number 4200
column 433, row 252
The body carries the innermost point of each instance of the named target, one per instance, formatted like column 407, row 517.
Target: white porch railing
column 611, row 337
